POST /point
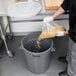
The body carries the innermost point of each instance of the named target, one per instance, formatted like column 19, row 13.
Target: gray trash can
column 37, row 59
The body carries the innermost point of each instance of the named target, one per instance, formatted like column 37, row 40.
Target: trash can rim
column 22, row 47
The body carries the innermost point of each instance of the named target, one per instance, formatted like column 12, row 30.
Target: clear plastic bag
column 51, row 30
column 47, row 30
column 50, row 25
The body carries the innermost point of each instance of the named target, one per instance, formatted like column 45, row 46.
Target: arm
column 64, row 7
column 57, row 13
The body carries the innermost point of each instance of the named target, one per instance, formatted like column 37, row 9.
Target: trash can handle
column 53, row 45
column 52, row 49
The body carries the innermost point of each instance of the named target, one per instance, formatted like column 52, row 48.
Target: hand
column 62, row 33
column 66, row 33
column 48, row 19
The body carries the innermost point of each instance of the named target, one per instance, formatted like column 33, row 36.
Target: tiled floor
column 16, row 66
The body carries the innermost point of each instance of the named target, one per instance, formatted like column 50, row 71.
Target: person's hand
column 48, row 19
column 62, row 33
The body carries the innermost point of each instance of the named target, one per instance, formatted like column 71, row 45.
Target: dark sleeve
column 65, row 5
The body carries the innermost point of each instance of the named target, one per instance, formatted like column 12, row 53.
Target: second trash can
column 37, row 59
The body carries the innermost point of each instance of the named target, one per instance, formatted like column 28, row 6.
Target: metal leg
column 9, row 53
column 10, row 35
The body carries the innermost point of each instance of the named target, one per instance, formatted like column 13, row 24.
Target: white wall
column 2, row 8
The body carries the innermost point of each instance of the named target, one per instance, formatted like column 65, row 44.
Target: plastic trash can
column 37, row 59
